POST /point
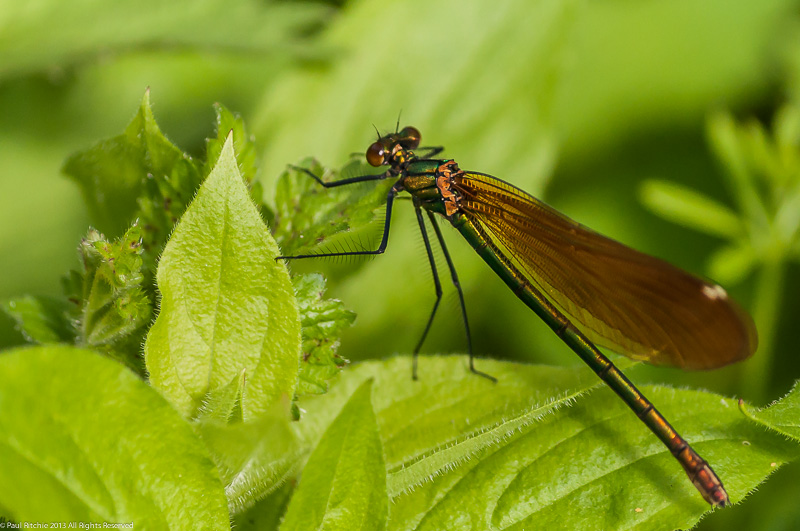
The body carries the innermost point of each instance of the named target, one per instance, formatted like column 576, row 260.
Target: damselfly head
column 387, row 146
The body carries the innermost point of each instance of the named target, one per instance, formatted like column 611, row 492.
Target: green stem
column 767, row 305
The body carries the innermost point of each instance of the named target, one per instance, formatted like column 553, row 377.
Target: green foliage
column 226, row 304
column 323, row 321
column 692, row 209
column 112, row 297
column 237, row 341
column 763, row 176
column 546, row 447
column 224, row 403
column 105, row 305
column 136, row 175
column 556, row 449
column 225, row 349
column 512, row 90
column 344, row 481
column 781, row 416
column 110, row 304
column 82, row 439
column 253, row 458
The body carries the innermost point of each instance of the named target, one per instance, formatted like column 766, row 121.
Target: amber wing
column 627, row 301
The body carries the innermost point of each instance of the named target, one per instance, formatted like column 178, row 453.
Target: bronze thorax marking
column 444, row 180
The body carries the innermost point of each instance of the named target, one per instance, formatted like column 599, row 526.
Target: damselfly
column 589, row 289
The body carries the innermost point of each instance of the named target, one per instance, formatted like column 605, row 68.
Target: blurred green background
column 584, row 104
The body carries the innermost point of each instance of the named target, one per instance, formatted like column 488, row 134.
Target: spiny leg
column 436, row 283
column 384, row 239
column 344, row 182
column 457, row 284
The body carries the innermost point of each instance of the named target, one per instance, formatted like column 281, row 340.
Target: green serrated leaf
column 40, row 319
column 136, row 175
column 344, row 482
column 109, row 304
column 226, row 304
column 310, row 218
column 323, row 321
column 113, row 173
column 254, row 458
column 690, row 208
column 783, row 416
column 114, row 450
column 511, row 455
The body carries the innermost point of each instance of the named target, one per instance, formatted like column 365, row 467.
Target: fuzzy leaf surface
column 344, row 482
column 114, row 450
column 226, row 304
column 253, row 458
column 545, row 447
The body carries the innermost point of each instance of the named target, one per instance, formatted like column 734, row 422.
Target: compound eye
column 411, row 137
column 375, row 154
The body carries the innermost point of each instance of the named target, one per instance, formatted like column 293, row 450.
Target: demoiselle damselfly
column 591, row 290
